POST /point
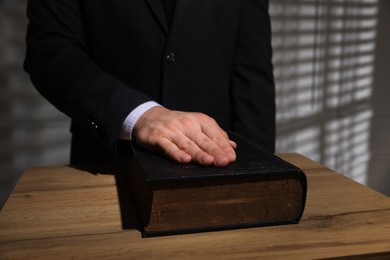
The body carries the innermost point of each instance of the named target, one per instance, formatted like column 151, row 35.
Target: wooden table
column 64, row 212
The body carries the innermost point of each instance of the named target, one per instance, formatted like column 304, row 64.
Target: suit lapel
column 158, row 11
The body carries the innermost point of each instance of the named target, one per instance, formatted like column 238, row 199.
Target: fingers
column 221, row 139
column 185, row 137
column 202, row 149
column 183, row 150
column 217, row 146
column 172, row 151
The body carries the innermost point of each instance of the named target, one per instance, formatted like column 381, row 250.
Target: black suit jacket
column 96, row 60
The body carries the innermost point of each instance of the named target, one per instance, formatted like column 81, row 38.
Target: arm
column 253, row 89
column 60, row 68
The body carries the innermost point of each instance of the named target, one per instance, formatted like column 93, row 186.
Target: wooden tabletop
column 64, row 212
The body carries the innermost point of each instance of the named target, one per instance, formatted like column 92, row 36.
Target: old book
column 259, row 189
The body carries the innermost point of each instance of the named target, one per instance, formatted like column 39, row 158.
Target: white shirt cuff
column 132, row 118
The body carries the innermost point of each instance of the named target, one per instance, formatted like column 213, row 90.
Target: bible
column 258, row 189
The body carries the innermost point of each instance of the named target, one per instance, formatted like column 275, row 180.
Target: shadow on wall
column 324, row 64
column 32, row 131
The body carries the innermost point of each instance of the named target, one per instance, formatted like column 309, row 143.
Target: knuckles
column 202, row 135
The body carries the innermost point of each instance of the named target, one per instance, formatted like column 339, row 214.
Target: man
column 126, row 70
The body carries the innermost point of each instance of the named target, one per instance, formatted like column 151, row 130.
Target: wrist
column 133, row 117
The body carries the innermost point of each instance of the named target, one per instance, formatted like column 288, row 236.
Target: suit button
column 170, row 57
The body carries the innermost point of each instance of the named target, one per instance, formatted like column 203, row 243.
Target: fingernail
column 232, row 156
column 185, row 158
column 221, row 160
column 206, row 160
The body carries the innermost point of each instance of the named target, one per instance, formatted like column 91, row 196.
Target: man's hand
column 184, row 137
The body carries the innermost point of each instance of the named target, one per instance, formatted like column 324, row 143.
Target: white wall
column 332, row 103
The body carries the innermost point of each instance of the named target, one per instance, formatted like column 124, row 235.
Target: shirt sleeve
column 132, row 118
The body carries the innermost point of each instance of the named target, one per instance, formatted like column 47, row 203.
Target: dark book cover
column 258, row 189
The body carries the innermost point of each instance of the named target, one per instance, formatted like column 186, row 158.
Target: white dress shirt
column 132, row 118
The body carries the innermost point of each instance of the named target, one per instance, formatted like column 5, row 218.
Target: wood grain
column 232, row 202
column 62, row 212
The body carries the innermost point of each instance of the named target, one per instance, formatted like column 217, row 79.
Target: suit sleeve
column 253, row 90
column 60, row 68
